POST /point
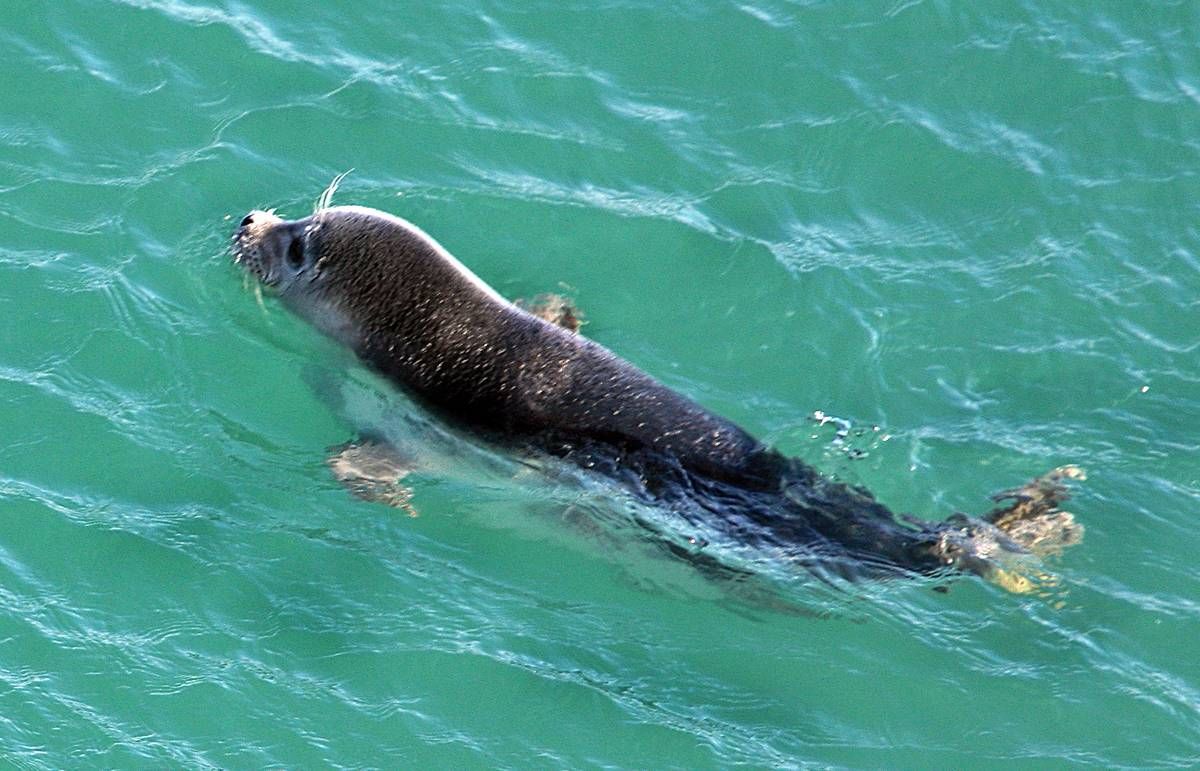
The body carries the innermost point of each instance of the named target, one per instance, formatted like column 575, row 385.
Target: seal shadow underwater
column 524, row 380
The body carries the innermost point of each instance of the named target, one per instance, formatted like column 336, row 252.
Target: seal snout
column 248, row 245
column 256, row 223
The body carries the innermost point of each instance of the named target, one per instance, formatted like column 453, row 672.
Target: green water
column 971, row 225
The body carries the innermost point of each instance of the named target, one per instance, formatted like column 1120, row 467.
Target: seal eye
column 295, row 254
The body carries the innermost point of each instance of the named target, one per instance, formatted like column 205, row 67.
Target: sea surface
column 936, row 249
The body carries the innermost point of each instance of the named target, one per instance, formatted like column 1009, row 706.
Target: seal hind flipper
column 1033, row 518
column 1006, row 545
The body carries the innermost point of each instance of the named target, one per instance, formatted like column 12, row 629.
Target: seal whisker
column 326, row 197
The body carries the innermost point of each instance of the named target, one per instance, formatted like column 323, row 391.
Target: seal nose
column 255, row 225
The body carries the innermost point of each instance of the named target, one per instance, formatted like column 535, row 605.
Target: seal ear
column 295, row 253
column 299, row 252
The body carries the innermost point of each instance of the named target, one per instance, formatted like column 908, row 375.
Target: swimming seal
column 413, row 312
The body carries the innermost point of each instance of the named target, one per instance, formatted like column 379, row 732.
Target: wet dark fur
column 485, row 364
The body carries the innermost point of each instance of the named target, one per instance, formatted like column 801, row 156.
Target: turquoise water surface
column 968, row 231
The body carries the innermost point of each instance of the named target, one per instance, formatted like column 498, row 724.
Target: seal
column 410, row 310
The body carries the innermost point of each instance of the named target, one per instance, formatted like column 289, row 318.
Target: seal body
column 416, row 314
column 413, row 312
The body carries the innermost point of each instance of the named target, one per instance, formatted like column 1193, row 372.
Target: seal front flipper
column 373, row 471
column 558, row 309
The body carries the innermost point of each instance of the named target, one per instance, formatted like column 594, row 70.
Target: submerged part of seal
column 413, row 312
